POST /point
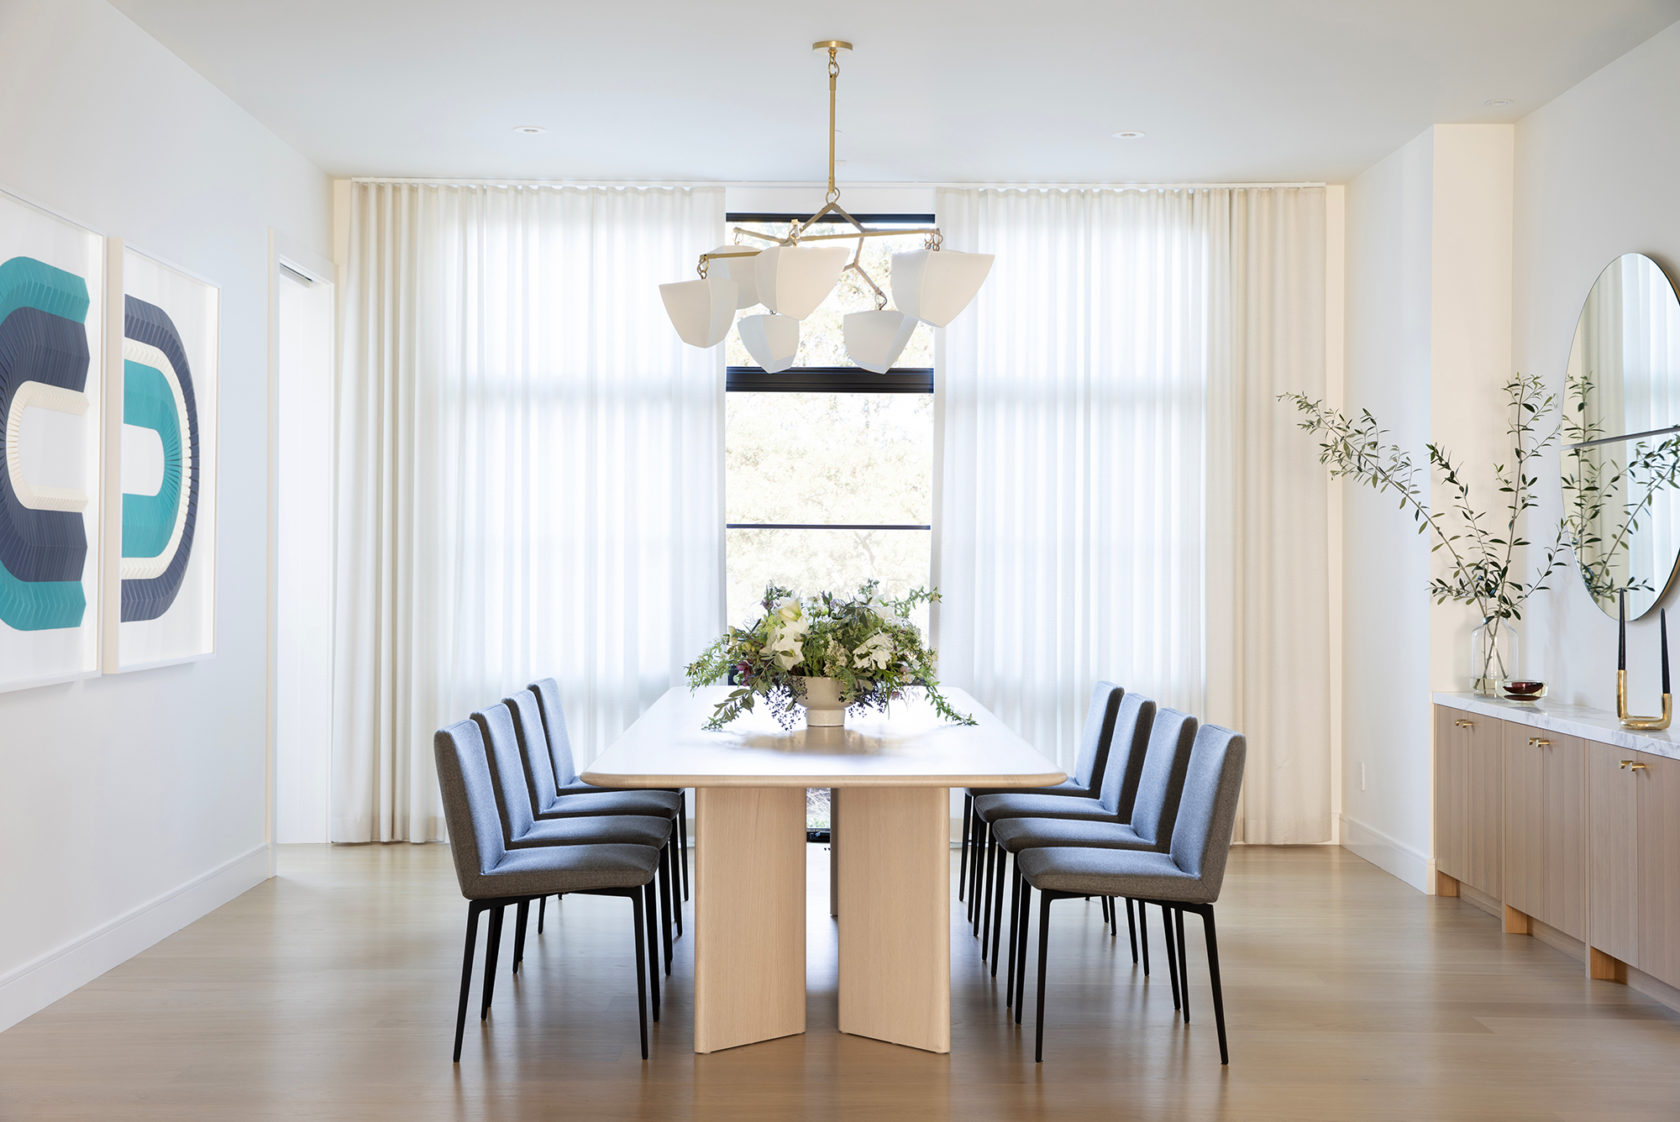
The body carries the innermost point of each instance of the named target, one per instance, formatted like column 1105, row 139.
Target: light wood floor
column 329, row 993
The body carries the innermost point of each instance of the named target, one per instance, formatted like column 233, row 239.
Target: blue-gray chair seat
column 581, row 803
column 1086, row 870
column 1020, row 804
column 1066, row 787
column 1017, row 834
column 616, row 829
column 554, row 870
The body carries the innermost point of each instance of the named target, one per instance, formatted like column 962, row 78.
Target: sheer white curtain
column 1113, row 469
column 530, row 470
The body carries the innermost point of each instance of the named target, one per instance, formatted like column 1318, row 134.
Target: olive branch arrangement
column 1598, row 479
column 1483, row 568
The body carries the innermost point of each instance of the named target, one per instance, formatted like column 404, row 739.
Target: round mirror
column 1621, row 436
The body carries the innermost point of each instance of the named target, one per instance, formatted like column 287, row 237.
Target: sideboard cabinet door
column 1658, row 787
column 1563, row 783
column 1612, row 853
column 1451, row 793
column 1484, row 743
column 1526, row 827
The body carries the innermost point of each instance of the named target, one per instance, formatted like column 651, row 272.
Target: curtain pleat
column 1114, row 495
column 530, row 472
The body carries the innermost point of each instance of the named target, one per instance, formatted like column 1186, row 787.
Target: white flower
column 789, row 617
column 785, row 648
column 874, row 653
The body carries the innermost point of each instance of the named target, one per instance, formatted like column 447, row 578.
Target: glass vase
column 1493, row 656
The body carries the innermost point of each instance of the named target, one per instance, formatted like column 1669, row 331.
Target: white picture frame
column 161, row 454
column 53, row 292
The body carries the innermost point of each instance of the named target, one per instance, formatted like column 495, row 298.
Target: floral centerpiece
column 825, row 653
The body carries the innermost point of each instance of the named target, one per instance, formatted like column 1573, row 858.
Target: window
column 829, row 468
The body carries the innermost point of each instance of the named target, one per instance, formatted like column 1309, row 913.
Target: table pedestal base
column 895, row 915
column 749, row 915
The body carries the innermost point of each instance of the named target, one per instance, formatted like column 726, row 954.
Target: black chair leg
column 968, row 817
column 986, row 902
column 1172, row 956
column 974, row 865
column 676, row 876
column 1131, row 929
column 1213, row 973
column 523, row 918
column 542, row 910
column 1014, row 931
column 1043, row 964
column 1183, row 963
column 1102, row 902
column 492, row 950
column 997, row 909
column 1143, row 935
column 682, row 836
column 641, row 967
column 1021, row 951
column 647, row 893
column 473, row 910
column 665, row 900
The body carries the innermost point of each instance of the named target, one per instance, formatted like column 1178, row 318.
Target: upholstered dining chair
column 1164, row 752
column 548, row 804
column 1186, row 878
column 492, row 876
column 521, row 830
column 1089, row 767
column 568, row 784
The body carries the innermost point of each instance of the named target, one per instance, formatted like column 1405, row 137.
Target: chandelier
column 792, row 275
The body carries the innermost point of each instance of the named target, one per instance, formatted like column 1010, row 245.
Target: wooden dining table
column 891, row 775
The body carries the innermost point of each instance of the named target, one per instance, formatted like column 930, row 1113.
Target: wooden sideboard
column 1554, row 815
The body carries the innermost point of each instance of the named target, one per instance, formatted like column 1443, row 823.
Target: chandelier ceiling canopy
column 794, row 273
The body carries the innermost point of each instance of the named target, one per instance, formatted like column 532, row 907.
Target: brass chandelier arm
column 880, row 297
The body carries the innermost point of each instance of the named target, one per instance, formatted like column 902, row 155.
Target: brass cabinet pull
column 1636, row 767
column 1627, row 764
column 1540, row 742
column 1462, row 724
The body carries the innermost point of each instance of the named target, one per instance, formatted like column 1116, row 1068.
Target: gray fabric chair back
column 513, row 798
column 469, row 804
column 1162, row 781
column 1125, row 758
column 1097, row 735
column 1208, row 812
column 554, row 727
column 533, row 749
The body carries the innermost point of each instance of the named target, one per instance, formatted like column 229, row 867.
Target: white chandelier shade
column 937, row 286
column 701, row 310
column 772, row 341
column 874, row 340
column 741, row 266
column 793, row 280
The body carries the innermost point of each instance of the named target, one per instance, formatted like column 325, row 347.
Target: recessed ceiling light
column 1497, row 102
column 529, row 130
column 1128, row 134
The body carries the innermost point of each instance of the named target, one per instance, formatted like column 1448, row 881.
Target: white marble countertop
column 1570, row 720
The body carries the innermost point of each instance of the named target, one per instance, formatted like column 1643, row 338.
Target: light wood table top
column 908, row 747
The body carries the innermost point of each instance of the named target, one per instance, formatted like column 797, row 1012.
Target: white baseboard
column 1392, row 856
column 36, row 985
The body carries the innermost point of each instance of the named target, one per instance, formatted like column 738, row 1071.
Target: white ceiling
column 937, row 91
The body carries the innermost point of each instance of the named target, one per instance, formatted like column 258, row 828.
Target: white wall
column 131, row 804
column 1385, row 637
column 1598, row 174
column 1427, row 350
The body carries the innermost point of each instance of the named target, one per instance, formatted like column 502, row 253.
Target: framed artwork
column 160, row 533
column 52, row 316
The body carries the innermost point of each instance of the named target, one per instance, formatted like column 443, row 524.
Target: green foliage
column 1483, row 568
column 1594, row 482
column 866, row 642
